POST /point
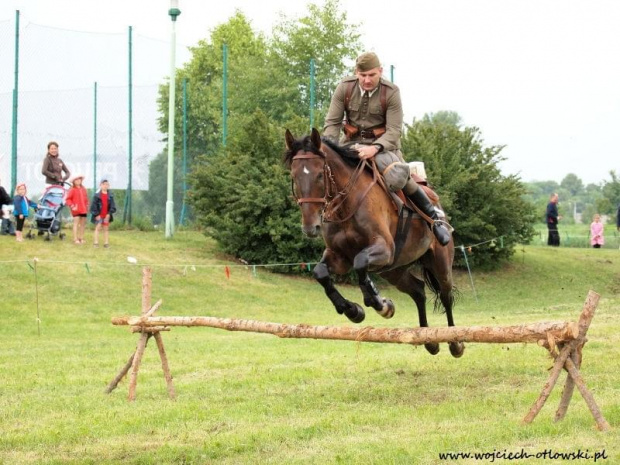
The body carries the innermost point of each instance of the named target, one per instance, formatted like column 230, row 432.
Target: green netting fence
column 94, row 93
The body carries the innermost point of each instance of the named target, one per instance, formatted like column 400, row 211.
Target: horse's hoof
column 355, row 313
column 388, row 309
column 433, row 348
column 457, row 349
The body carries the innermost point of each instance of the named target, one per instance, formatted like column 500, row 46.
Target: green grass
column 577, row 235
column 253, row 398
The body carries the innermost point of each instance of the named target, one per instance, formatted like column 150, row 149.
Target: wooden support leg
column 601, row 423
column 550, row 384
column 569, row 387
column 135, row 366
column 114, row 383
column 164, row 365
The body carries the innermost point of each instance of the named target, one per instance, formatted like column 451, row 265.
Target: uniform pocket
column 375, row 109
column 354, row 107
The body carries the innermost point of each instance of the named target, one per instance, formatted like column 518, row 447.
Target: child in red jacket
column 77, row 200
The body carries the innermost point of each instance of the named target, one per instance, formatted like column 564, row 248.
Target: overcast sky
column 539, row 76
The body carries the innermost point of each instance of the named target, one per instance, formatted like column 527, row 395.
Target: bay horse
column 358, row 221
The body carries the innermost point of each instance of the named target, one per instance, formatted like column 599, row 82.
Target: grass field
column 577, row 235
column 252, row 398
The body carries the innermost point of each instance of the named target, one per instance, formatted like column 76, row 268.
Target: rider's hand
column 367, row 151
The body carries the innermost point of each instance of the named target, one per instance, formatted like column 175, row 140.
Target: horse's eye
column 320, row 177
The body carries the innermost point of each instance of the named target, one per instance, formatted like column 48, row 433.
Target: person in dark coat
column 53, row 167
column 6, row 201
column 102, row 210
column 552, row 221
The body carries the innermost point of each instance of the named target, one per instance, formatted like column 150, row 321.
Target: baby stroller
column 47, row 218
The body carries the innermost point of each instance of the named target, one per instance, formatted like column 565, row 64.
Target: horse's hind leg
column 353, row 311
column 406, row 282
column 438, row 265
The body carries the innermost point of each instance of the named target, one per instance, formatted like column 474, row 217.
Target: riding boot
column 421, row 200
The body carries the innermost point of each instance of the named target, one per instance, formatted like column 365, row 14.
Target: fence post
column 127, row 209
column 224, row 94
column 95, row 139
column 15, row 106
column 183, row 206
column 311, row 93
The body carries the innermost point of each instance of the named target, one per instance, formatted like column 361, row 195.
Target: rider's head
column 368, row 70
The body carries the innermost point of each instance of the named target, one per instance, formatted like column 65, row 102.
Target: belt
column 367, row 134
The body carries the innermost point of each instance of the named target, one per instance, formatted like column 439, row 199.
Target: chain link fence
column 93, row 93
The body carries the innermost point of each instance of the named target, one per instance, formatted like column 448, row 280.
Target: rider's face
column 369, row 79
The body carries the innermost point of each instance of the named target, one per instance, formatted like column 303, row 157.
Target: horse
column 345, row 203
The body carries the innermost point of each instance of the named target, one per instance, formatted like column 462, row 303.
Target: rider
column 369, row 111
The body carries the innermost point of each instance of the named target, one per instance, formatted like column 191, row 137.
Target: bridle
column 328, row 176
column 333, row 198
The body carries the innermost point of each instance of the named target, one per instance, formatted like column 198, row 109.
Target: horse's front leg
column 339, row 265
column 377, row 255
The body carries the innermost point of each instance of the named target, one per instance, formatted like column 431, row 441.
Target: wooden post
column 145, row 334
column 135, row 366
column 569, row 358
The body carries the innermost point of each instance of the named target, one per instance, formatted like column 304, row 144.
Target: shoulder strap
column 347, row 97
column 384, row 99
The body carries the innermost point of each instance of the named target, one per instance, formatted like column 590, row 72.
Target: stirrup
column 447, row 225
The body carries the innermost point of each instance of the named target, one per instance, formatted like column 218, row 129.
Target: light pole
column 173, row 12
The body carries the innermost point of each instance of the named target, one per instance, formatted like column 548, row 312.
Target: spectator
column 102, row 208
column 552, row 221
column 53, row 166
column 21, row 206
column 77, row 201
column 597, row 239
column 5, row 202
column 7, row 227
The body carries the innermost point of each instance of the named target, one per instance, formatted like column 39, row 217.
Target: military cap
column 367, row 61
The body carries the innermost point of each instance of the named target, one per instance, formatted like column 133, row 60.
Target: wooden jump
column 564, row 340
column 561, row 331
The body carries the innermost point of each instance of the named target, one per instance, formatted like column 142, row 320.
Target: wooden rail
column 561, row 331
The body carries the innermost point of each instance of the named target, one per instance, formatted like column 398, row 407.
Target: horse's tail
column 432, row 283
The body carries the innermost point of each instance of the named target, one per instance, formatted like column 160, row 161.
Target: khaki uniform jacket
column 367, row 116
column 53, row 168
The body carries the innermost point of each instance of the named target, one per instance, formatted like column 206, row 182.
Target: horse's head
column 308, row 173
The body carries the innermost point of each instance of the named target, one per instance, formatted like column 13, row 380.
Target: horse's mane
column 348, row 154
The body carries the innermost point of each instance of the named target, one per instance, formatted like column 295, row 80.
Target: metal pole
column 128, row 196
column 225, row 95
column 471, row 279
column 311, row 93
column 392, row 73
column 15, row 106
column 173, row 12
column 95, row 141
column 182, row 217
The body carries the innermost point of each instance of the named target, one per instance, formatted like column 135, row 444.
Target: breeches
column 395, row 170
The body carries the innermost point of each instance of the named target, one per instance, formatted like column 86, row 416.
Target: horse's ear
column 316, row 138
column 289, row 139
